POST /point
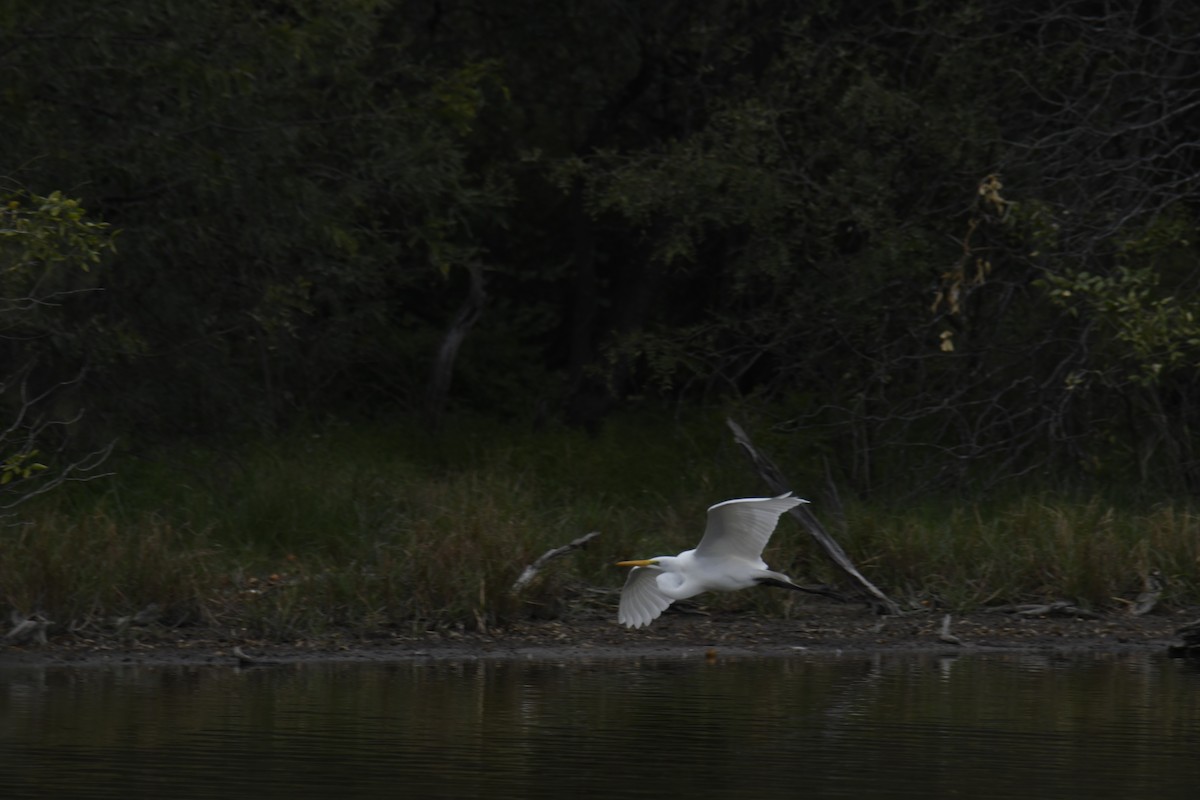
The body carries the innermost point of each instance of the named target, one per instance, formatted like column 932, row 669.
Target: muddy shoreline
column 817, row 630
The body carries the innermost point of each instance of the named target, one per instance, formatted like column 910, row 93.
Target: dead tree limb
column 30, row 430
column 530, row 572
column 443, row 365
column 774, row 478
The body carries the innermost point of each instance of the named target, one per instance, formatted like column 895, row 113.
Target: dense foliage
column 939, row 244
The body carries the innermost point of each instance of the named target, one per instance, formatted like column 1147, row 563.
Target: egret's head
column 645, row 562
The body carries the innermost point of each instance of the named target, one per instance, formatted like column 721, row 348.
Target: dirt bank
column 818, row 629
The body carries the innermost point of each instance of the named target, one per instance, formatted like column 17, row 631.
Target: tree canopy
column 946, row 239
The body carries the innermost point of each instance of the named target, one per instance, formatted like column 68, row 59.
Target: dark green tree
column 941, row 243
column 291, row 179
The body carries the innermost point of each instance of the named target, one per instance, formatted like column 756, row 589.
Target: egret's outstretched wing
column 742, row 527
column 641, row 601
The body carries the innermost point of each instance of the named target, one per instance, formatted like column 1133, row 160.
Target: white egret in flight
column 728, row 558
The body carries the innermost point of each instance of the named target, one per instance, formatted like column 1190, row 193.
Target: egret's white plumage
column 728, row 558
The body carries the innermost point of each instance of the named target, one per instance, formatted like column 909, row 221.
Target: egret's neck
column 673, row 579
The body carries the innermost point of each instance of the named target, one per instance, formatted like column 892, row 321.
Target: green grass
column 1037, row 547
column 370, row 530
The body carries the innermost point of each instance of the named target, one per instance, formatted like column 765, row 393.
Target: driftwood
column 1058, row 608
column 944, row 635
column 1152, row 589
column 530, row 572
column 31, row 628
column 147, row 616
column 246, row 660
column 774, row 478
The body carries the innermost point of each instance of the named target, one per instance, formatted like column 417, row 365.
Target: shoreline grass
column 365, row 530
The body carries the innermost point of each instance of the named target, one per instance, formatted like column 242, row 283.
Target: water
column 977, row 726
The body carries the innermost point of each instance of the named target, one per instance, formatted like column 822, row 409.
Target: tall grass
column 1087, row 551
column 373, row 531
column 83, row 569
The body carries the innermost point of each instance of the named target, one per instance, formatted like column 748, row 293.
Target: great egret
column 728, row 558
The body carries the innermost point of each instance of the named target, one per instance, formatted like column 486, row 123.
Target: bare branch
column 774, row 478
column 530, row 572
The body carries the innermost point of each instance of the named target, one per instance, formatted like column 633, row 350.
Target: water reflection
column 977, row 726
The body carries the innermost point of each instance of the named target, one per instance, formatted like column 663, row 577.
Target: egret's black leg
column 787, row 584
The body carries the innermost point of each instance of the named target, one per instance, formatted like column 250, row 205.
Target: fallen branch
column 1152, row 589
column 31, row 628
column 530, row 572
column 1058, row 608
column 245, row 660
column 774, row 478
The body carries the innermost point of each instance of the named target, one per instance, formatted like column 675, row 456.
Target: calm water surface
column 887, row 726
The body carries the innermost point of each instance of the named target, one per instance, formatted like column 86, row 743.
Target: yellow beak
column 645, row 562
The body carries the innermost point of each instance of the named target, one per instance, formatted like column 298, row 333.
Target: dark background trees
column 939, row 244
